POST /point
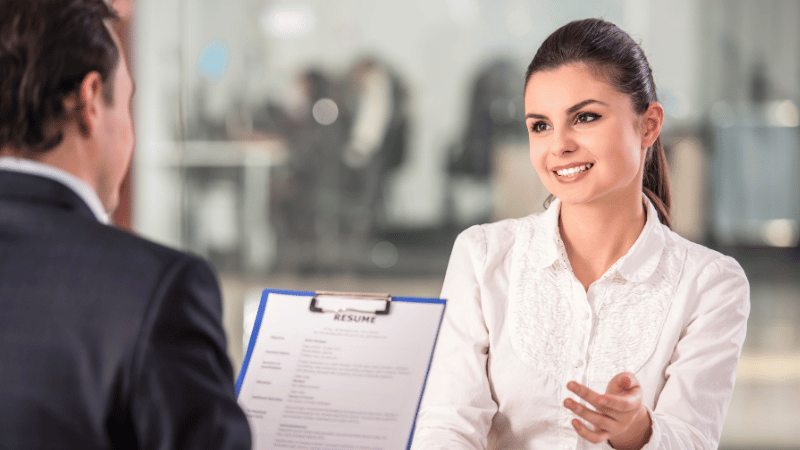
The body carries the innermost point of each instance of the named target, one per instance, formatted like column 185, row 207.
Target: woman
column 591, row 324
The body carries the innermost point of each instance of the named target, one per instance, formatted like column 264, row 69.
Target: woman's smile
column 572, row 171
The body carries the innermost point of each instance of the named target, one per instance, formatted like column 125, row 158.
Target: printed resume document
column 348, row 375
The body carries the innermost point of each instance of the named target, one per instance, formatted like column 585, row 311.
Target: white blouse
column 519, row 325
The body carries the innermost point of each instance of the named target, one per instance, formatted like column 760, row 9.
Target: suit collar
column 32, row 188
column 78, row 186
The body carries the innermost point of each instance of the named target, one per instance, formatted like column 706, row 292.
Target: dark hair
column 47, row 47
column 612, row 54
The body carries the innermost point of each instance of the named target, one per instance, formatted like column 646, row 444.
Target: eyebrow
column 572, row 109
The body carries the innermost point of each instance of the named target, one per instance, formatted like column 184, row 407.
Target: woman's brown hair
column 616, row 57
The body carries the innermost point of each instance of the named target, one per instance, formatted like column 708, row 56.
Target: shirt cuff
column 655, row 434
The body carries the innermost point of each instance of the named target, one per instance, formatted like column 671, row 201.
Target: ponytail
column 655, row 183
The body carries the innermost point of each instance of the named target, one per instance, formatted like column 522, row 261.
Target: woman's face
column 587, row 143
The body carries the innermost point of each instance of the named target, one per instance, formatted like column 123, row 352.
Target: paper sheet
column 344, row 380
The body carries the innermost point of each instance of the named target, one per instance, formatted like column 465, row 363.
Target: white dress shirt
column 80, row 187
column 519, row 325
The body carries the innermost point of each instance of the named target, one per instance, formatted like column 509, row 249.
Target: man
column 106, row 340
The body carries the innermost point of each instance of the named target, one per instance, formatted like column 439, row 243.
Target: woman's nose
column 563, row 142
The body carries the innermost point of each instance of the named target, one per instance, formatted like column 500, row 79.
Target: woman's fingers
column 585, row 393
column 617, row 412
column 624, row 393
column 622, row 382
column 593, row 436
column 623, row 403
column 619, row 403
column 600, row 402
column 599, row 420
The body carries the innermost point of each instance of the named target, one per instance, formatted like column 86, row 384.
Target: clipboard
column 336, row 369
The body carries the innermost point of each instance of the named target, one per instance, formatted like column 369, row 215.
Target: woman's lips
column 572, row 170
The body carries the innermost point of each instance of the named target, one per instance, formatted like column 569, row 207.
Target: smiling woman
column 610, row 61
column 582, row 128
column 592, row 324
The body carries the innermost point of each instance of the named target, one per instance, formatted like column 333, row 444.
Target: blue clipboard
column 313, row 308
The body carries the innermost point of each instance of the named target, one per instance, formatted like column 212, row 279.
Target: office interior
column 342, row 145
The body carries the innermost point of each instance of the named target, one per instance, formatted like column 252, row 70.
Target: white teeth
column 573, row 170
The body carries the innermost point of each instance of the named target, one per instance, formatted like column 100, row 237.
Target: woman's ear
column 652, row 119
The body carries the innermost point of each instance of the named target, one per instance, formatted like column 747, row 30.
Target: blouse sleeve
column 691, row 409
column 457, row 408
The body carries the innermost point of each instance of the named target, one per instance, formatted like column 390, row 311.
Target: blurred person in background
column 591, row 324
column 493, row 118
column 377, row 142
column 306, row 195
column 106, row 340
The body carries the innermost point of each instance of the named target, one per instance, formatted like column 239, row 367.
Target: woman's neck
column 597, row 235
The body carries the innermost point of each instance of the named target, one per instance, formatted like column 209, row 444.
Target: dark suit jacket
column 106, row 340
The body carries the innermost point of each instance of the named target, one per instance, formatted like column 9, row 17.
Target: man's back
column 106, row 340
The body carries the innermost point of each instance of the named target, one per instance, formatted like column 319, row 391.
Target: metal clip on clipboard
column 378, row 300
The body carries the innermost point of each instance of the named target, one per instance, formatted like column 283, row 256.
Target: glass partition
column 313, row 144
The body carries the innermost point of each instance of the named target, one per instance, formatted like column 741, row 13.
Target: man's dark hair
column 47, row 47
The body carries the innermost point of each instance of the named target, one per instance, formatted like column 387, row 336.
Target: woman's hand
column 619, row 415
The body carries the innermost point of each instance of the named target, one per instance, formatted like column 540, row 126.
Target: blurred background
column 342, row 145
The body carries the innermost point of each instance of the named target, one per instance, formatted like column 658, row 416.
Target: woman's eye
column 585, row 117
column 539, row 127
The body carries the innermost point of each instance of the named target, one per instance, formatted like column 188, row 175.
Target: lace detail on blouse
column 627, row 324
column 629, row 320
column 540, row 316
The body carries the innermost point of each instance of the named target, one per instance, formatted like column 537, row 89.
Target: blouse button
column 577, row 363
column 586, row 315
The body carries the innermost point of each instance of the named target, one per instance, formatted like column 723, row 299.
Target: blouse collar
column 637, row 265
